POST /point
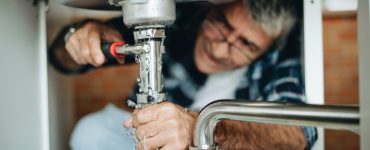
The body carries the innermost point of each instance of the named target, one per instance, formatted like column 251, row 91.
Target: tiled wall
column 95, row 89
column 341, row 74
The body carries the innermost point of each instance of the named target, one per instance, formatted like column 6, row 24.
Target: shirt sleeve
column 310, row 134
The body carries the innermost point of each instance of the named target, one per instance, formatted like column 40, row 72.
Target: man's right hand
column 85, row 44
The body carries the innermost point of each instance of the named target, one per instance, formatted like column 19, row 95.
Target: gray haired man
column 234, row 52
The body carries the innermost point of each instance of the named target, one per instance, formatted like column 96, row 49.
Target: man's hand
column 166, row 126
column 85, row 44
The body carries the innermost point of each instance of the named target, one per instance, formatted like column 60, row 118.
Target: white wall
column 20, row 116
column 20, row 92
column 60, row 88
column 313, row 59
column 61, row 109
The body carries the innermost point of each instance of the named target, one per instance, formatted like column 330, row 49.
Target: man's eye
column 253, row 48
column 246, row 42
column 249, row 44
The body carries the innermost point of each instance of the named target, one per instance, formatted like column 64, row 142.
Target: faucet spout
column 328, row 116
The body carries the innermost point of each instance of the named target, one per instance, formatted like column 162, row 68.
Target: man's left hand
column 166, row 126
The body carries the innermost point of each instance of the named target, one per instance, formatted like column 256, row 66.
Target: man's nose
column 220, row 50
column 232, row 37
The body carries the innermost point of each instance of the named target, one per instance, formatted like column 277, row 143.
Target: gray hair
column 276, row 17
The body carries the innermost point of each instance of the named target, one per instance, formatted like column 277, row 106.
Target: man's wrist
column 69, row 33
column 75, row 26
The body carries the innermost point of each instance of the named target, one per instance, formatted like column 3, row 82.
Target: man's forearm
column 232, row 135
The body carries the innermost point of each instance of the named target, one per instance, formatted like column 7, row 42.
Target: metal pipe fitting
column 148, row 12
column 133, row 49
column 148, row 49
column 328, row 116
column 111, row 4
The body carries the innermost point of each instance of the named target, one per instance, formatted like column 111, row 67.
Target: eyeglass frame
column 220, row 17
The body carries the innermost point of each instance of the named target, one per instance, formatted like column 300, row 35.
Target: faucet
column 328, row 116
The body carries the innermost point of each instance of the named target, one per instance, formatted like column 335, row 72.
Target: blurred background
column 72, row 97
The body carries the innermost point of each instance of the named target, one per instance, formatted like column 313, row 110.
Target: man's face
column 229, row 39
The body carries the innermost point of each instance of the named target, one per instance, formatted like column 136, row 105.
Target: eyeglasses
column 219, row 26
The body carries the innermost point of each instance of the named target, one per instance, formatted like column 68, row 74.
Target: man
column 233, row 53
